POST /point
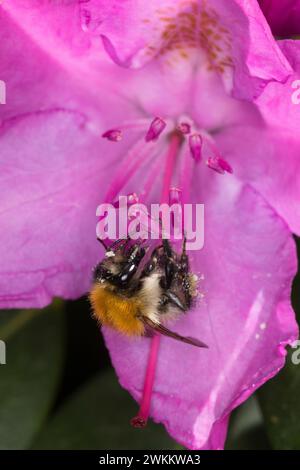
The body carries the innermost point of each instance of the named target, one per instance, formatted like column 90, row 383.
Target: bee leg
column 117, row 244
column 184, row 260
column 167, row 248
column 103, row 243
column 174, row 299
column 184, row 274
column 152, row 263
column 170, row 264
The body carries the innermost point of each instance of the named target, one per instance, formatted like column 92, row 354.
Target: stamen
column 216, row 162
column 155, row 129
column 132, row 198
column 184, row 128
column 195, row 143
column 151, row 177
column 129, row 166
column 174, row 195
column 174, row 146
column 219, row 165
column 141, row 419
column 114, row 135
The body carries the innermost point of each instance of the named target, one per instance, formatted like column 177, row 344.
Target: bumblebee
column 136, row 291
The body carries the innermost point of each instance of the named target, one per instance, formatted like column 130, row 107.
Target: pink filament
column 170, row 163
column 135, row 157
column 216, row 163
column 141, row 419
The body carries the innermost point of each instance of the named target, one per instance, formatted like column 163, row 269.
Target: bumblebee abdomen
column 115, row 311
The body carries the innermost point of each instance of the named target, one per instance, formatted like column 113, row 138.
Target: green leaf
column 246, row 429
column 97, row 417
column 279, row 398
column 279, row 401
column 29, row 379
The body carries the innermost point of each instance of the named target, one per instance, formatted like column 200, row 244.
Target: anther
column 130, row 199
column 174, row 195
column 155, row 129
column 133, row 198
column 219, row 165
column 115, row 135
column 195, row 143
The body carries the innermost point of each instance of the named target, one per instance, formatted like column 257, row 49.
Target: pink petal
column 54, row 173
column 51, row 184
column 135, row 32
column 56, row 65
column 248, row 262
column 268, row 156
column 278, row 102
column 53, row 161
column 269, row 161
column 54, row 25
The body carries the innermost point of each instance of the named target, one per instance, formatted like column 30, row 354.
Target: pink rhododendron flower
column 282, row 15
column 83, row 124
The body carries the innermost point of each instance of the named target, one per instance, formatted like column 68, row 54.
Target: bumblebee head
column 119, row 266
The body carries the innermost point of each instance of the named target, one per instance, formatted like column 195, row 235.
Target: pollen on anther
column 114, row 135
column 155, row 129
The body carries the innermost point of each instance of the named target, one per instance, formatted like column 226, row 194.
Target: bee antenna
column 184, row 244
column 102, row 243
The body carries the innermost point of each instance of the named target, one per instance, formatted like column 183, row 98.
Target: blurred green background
column 58, row 390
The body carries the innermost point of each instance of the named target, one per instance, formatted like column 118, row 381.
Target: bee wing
column 159, row 328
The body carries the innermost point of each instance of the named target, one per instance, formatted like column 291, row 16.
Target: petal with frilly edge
column 234, row 36
column 54, row 25
column 268, row 156
column 54, row 167
column 51, row 73
column 54, row 172
column 248, row 263
column 279, row 104
column 269, row 161
column 50, row 187
column 282, row 15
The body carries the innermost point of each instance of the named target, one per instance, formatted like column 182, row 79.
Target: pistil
column 141, row 419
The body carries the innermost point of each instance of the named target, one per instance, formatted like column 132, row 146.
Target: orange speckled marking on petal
column 189, row 25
